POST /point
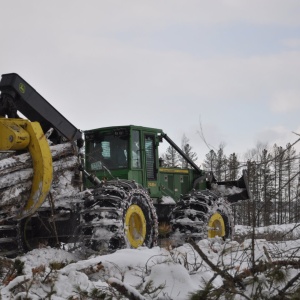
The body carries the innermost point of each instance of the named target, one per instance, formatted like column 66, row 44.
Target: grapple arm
column 22, row 97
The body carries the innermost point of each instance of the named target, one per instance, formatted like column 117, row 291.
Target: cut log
column 19, row 193
column 23, row 161
column 16, row 173
column 20, row 176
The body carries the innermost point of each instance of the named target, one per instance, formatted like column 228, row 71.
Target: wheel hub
column 216, row 226
column 135, row 226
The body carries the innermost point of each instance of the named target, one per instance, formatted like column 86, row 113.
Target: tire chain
column 114, row 195
column 190, row 216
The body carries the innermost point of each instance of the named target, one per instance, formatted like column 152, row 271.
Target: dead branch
column 224, row 274
column 125, row 289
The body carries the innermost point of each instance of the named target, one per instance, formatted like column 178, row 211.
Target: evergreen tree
column 279, row 181
column 297, row 196
column 291, row 182
column 233, row 170
column 170, row 157
column 187, row 149
column 221, row 164
column 274, row 183
column 233, row 167
column 250, row 206
column 209, row 163
column 266, row 187
column 216, row 163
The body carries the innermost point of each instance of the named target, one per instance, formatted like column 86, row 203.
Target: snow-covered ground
column 283, row 232
column 157, row 273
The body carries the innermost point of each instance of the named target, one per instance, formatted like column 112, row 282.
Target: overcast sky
column 231, row 67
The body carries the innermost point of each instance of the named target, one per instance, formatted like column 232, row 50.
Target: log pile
column 16, row 174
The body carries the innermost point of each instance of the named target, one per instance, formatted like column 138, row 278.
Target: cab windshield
column 108, row 151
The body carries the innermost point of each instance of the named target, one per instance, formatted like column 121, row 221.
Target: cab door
column 151, row 163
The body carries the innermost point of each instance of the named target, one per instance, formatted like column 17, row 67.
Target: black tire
column 194, row 212
column 140, row 220
column 103, row 221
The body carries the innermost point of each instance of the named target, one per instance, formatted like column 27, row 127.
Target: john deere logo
column 22, row 88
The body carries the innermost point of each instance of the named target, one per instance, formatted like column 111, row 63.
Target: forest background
column 273, row 176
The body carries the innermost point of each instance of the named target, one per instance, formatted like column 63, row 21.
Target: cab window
column 109, row 152
column 135, row 147
column 150, row 157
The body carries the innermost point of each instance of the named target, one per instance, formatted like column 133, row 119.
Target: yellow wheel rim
column 135, row 226
column 216, row 226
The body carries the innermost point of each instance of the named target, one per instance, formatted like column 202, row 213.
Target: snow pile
column 156, row 273
column 286, row 232
column 226, row 191
column 139, row 269
column 167, row 200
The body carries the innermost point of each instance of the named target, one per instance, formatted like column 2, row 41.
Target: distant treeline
column 274, row 183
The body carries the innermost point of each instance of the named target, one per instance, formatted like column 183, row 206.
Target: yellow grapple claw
column 17, row 134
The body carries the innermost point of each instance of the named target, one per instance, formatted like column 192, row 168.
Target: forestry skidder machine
column 110, row 193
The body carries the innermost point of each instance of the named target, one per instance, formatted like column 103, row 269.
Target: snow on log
column 14, row 178
column 14, row 194
column 23, row 161
column 65, row 185
column 125, row 289
column 17, row 177
column 16, row 173
column 18, row 194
